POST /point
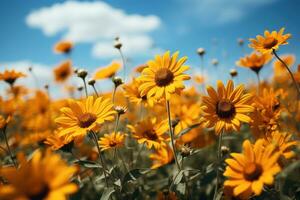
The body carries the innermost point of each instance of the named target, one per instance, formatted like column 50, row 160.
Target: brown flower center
column 112, row 143
column 225, row 109
column 43, row 193
column 270, row 42
column 163, row 77
column 252, row 172
column 150, row 134
column 86, row 119
column 64, row 74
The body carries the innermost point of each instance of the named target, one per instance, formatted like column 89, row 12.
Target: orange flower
column 10, row 76
column 63, row 47
column 63, row 71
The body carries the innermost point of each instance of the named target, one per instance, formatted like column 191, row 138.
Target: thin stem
column 35, row 79
column 172, row 134
column 139, row 153
column 218, row 164
column 100, row 156
column 117, row 123
column 8, row 148
column 124, row 64
column 288, row 69
column 258, row 82
column 114, row 94
column 95, row 90
column 123, row 162
column 85, row 87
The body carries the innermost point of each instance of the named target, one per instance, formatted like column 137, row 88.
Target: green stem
column 288, row 69
column 124, row 64
column 95, row 90
column 100, row 156
column 172, row 134
column 8, row 148
column 218, row 164
column 85, row 87
column 114, row 94
column 117, row 123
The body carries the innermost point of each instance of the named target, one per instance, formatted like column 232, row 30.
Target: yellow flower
column 254, row 61
column 108, row 71
column 161, row 157
column 63, row 71
column 132, row 92
column 282, row 143
column 200, row 79
column 113, row 140
column 44, row 177
column 227, row 107
column 83, row 116
column 270, row 41
column 163, row 76
column 63, row 47
column 4, row 122
column 247, row 172
column 150, row 132
column 10, row 76
column 55, row 142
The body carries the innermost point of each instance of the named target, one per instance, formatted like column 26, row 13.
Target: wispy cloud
column 97, row 23
column 211, row 12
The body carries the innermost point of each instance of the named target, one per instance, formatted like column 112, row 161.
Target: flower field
column 153, row 136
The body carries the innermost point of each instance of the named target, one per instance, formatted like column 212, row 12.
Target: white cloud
column 223, row 11
column 95, row 22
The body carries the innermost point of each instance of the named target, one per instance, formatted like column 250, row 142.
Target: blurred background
column 30, row 29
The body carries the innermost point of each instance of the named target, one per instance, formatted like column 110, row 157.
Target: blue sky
column 183, row 25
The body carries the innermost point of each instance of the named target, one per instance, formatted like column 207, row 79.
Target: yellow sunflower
column 163, row 76
column 63, row 47
column 254, row 61
column 45, row 177
column 227, row 107
column 83, row 116
column 151, row 132
column 10, row 76
column 63, row 71
column 161, row 157
column 108, row 71
column 247, row 172
column 282, row 142
column 131, row 91
column 270, row 41
column 113, row 140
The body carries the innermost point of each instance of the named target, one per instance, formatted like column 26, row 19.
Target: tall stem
column 218, row 164
column 85, row 87
column 288, row 69
column 124, row 64
column 8, row 148
column 117, row 123
column 95, row 90
column 172, row 134
column 100, row 156
column 114, row 94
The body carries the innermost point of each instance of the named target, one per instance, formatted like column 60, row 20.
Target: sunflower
column 63, row 47
column 254, row 61
column 108, row 71
column 163, row 76
column 161, row 157
column 227, row 107
column 55, row 142
column 131, row 91
column 45, row 177
column 247, row 172
column 270, row 41
column 282, row 142
column 113, row 140
column 63, row 71
column 85, row 115
column 10, row 76
column 150, row 132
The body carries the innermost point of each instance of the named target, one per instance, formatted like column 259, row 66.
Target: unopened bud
column 201, row 51
column 117, row 81
column 233, row 73
column 46, row 86
column 215, row 62
column 91, row 82
column 225, row 150
column 240, row 41
column 82, row 73
column 80, row 88
column 174, row 122
column 120, row 110
column 185, row 151
column 117, row 43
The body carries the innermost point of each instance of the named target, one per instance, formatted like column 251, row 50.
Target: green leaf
column 107, row 193
column 87, row 164
column 178, row 177
column 289, row 169
column 134, row 174
column 184, row 131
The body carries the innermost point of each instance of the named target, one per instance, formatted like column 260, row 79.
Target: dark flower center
column 64, row 74
column 151, row 134
column 163, row 77
column 10, row 81
column 112, row 143
column 270, row 42
column 225, row 109
column 252, row 172
column 256, row 69
column 86, row 119
column 41, row 195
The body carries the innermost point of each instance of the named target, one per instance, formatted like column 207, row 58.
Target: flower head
column 163, row 76
column 249, row 171
column 43, row 177
column 108, row 71
column 113, row 140
column 83, row 116
column 10, row 76
column 254, row 61
column 227, row 107
column 63, row 71
column 63, row 47
column 270, row 41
